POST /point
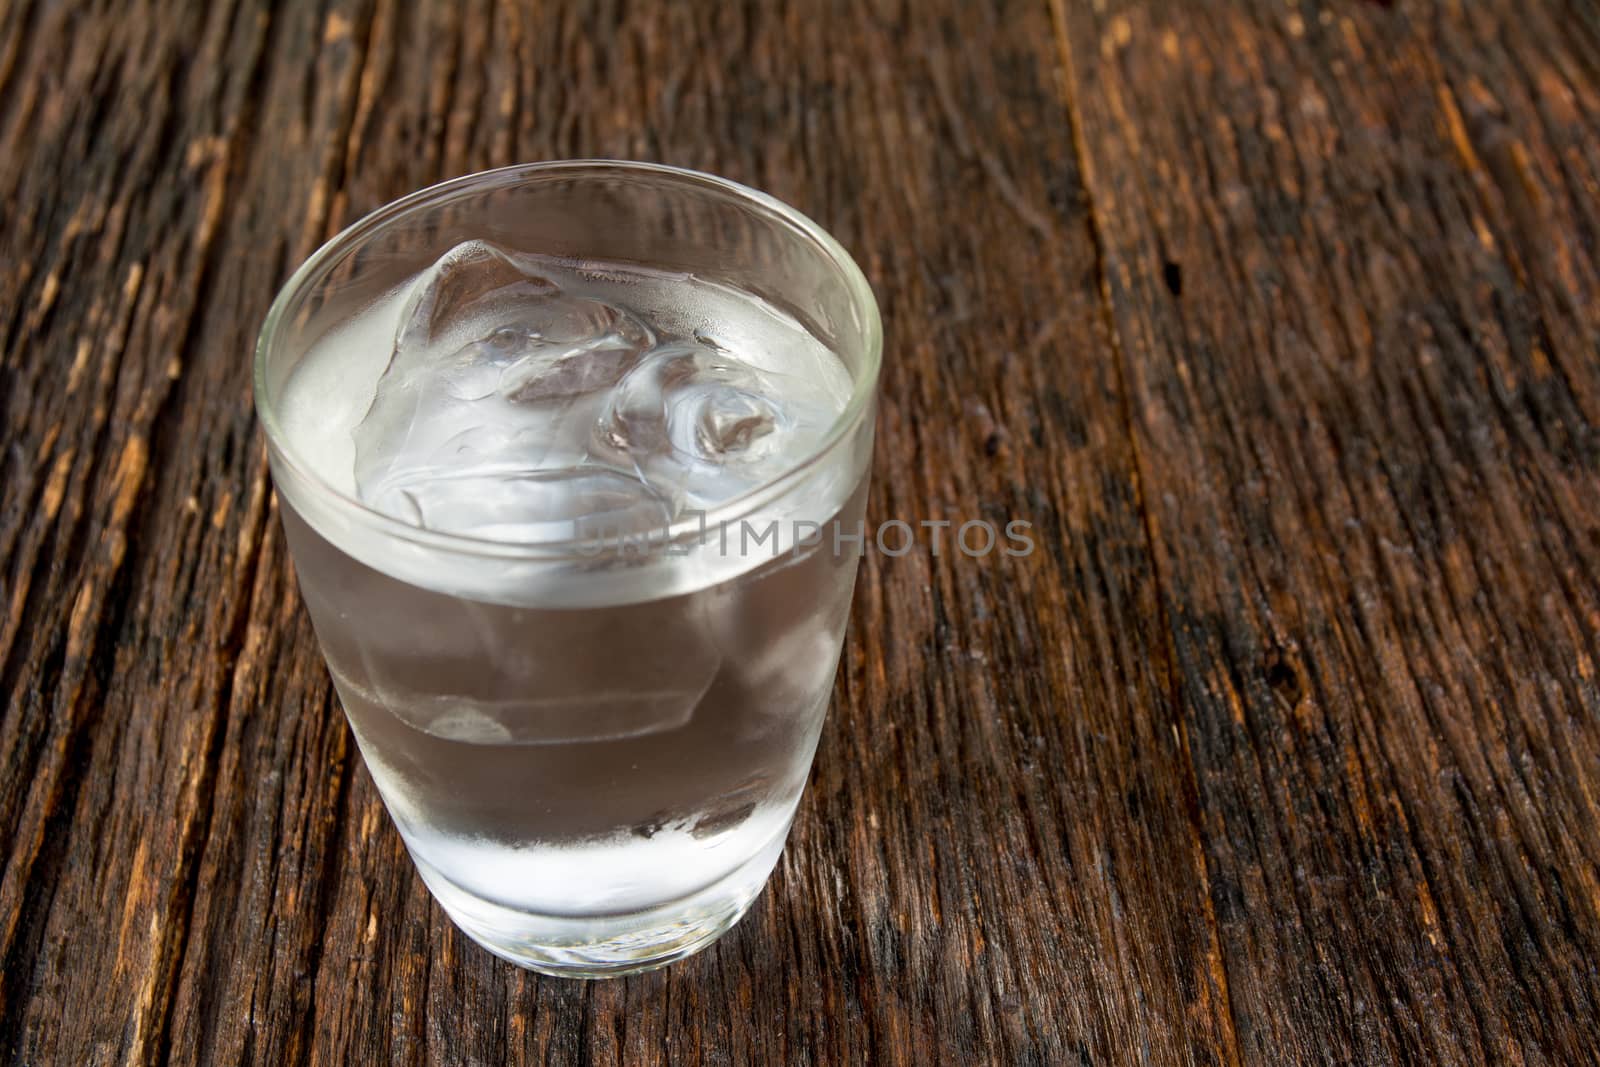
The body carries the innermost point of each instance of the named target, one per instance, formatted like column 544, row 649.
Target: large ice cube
column 482, row 421
column 499, row 675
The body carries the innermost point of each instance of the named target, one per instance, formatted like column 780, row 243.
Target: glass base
column 605, row 946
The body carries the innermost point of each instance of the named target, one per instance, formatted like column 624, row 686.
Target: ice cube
column 472, row 280
column 729, row 422
column 463, row 722
column 518, row 503
column 551, row 372
column 694, row 418
column 481, row 423
column 603, row 715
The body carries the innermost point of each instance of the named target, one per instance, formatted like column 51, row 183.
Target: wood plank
column 998, row 856
column 1348, row 252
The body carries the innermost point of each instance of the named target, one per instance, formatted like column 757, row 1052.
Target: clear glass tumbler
column 592, row 746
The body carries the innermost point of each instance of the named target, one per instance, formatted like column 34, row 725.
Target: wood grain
column 1366, row 442
column 1279, row 322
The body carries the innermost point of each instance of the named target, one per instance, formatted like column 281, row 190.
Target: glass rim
column 862, row 390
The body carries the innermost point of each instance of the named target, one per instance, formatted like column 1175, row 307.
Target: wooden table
column 1279, row 323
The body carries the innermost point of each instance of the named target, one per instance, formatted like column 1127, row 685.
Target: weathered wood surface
column 1279, row 321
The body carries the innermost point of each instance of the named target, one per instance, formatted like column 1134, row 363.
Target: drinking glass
column 592, row 747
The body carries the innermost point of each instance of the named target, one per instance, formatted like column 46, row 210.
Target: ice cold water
column 512, row 397
column 553, row 762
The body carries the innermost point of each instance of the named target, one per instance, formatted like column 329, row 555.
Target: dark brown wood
column 1365, row 428
column 1279, row 322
